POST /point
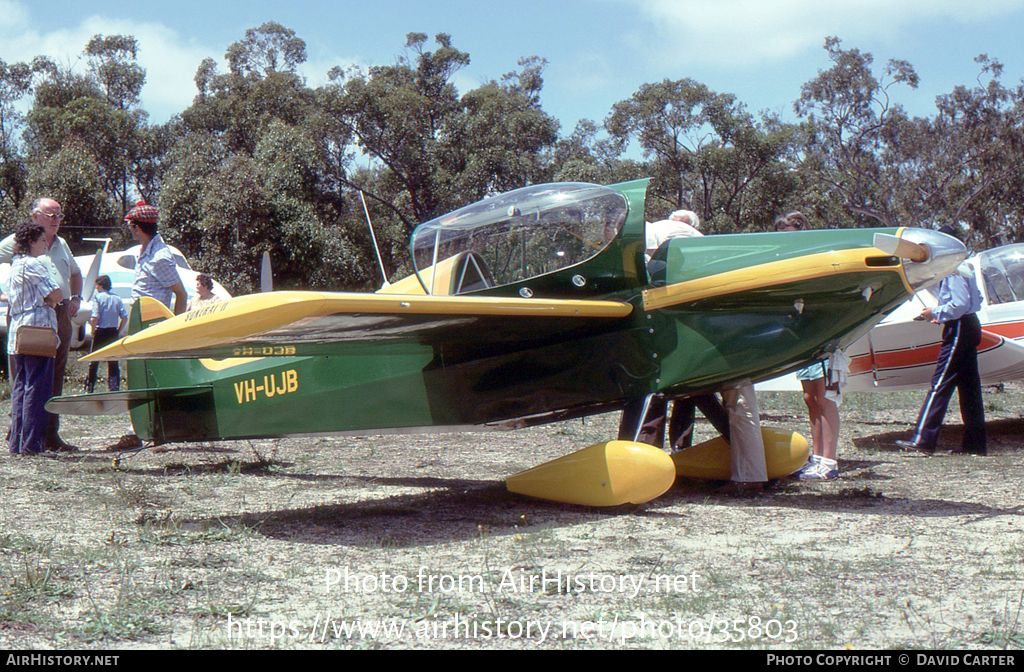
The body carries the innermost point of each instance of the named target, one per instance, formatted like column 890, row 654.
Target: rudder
column 181, row 414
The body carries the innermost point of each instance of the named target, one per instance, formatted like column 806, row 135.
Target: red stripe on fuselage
column 911, row 357
column 1011, row 330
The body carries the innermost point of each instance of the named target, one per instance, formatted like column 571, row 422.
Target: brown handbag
column 37, row 341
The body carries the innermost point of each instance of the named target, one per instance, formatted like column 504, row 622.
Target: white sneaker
column 811, row 463
column 819, row 472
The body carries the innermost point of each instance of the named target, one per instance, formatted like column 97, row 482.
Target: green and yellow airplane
column 530, row 307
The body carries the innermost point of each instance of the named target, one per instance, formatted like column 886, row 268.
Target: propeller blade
column 266, row 274
column 897, row 247
column 89, row 282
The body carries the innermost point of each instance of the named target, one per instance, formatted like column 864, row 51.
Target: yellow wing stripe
column 225, row 364
column 809, row 267
column 229, row 321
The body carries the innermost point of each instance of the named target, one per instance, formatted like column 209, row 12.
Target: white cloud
column 737, row 32
column 13, row 16
column 170, row 60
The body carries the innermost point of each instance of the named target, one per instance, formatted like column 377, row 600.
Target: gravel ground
column 413, row 542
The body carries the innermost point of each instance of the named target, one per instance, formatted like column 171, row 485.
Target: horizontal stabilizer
column 114, row 403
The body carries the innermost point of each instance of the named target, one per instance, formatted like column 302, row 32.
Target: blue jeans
column 31, row 388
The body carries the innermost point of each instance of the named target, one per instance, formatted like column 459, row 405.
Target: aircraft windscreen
column 516, row 236
column 1003, row 272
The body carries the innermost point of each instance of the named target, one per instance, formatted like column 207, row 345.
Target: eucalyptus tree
column 401, row 117
column 704, row 151
column 249, row 171
column 584, row 156
column 98, row 112
column 974, row 173
column 262, row 84
column 404, row 138
column 876, row 160
column 15, row 83
column 853, row 127
column 73, row 141
column 503, row 134
column 114, row 67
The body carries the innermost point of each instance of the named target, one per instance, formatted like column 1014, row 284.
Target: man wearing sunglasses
column 66, row 274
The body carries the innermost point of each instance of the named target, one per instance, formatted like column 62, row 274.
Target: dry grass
column 248, row 545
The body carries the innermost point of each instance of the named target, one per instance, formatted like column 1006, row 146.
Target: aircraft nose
column 944, row 255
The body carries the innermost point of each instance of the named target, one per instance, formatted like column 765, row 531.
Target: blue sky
column 599, row 51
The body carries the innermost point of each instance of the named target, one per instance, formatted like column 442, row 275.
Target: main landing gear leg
column 643, row 420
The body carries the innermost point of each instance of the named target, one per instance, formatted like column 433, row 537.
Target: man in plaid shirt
column 156, row 274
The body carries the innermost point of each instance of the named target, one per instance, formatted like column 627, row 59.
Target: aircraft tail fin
column 164, row 400
column 145, row 312
column 165, row 404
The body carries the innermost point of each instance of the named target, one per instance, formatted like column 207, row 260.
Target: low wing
column 312, row 323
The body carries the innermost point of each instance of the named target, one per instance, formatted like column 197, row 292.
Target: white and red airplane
column 900, row 352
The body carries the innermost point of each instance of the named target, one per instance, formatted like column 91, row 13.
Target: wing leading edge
column 312, row 323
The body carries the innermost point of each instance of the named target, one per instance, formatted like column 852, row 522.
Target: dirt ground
column 413, row 542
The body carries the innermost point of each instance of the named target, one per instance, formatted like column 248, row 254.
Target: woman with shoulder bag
column 31, row 296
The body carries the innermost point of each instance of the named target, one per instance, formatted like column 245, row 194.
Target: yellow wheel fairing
column 605, row 474
column 784, row 453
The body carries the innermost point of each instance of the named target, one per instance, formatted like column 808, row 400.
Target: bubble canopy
column 516, row 236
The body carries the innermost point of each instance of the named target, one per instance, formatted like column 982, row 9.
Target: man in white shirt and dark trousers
column 736, row 417
column 957, row 368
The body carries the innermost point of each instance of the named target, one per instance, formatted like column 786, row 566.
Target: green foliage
column 504, row 133
column 15, row 82
column 851, row 126
column 266, row 50
column 974, row 169
column 262, row 162
column 72, row 176
column 248, row 176
column 864, row 152
column 97, row 112
column 705, row 153
column 112, row 64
